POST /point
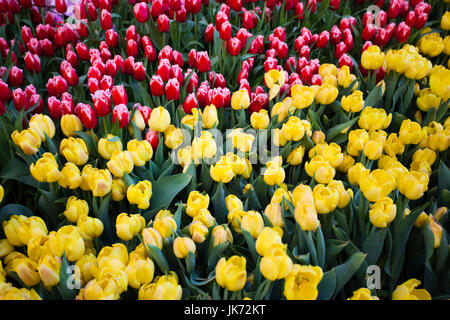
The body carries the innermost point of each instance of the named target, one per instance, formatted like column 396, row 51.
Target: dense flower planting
column 238, row 149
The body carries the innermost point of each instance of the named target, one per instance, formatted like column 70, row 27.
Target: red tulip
column 209, row 33
column 82, row 51
column 177, row 73
column 234, row 46
column 61, row 6
column 87, row 115
column 410, row 18
column 402, row 32
column 163, row 23
column 139, row 72
column 141, row 12
column 341, row 48
column 335, row 35
column 334, row 4
column 225, row 31
column 119, row 95
column 323, row 39
column 129, row 65
column 27, row 34
column 369, row 32
column 20, row 99
column 112, row 38
column 5, row 93
column 203, row 63
column 102, row 103
column 132, row 48
column 394, row 9
column 105, row 20
column 120, row 113
column 192, row 58
column 249, row 20
column 152, row 137
column 157, row 86
column 421, row 19
column 193, row 81
column 172, row 89
column 190, row 103
column 345, row 60
column 299, row 11
column 347, row 37
column 15, row 76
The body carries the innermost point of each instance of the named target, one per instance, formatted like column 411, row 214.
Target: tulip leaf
column 373, row 245
column 218, row 201
column 334, row 247
column 315, row 120
column 64, row 287
column 156, row 254
column 197, row 281
column 327, row 285
column 14, row 168
column 335, row 131
column 215, row 253
column 429, row 245
column 251, row 244
column 14, row 209
column 103, row 215
column 345, row 271
column 90, row 143
column 374, row 96
column 190, row 263
column 166, row 188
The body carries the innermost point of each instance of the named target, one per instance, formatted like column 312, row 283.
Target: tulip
column 172, row 89
column 141, row 12
column 128, row 226
column 70, row 176
column 182, row 246
column 140, row 194
column 100, row 182
column 163, row 288
column 276, row 265
column 67, row 240
column 140, row 270
column 141, row 151
column 408, row 291
column 159, row 119
column 413, row 184
column 107, row 146
column 231, row 273
column 202, row 61
column 75, row 208
column 382, row 212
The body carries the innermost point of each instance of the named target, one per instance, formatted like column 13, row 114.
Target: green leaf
column 62, row 287
column 345, row 271
column 373, row 245
column 251, row 244
column 218, row 201
column 374, row 96
column 103, row 215
column 333, row 132
column 215, row 253
column 156, row 254
column 166, row 188
column 14, row 209
column 327, row 285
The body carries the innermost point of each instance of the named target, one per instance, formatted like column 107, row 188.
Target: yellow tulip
column 70, row 123
column 231, row 274
column 45, row 169
column 107, row 146
column 28, row 140
column 159, row 119
column 42, row 125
